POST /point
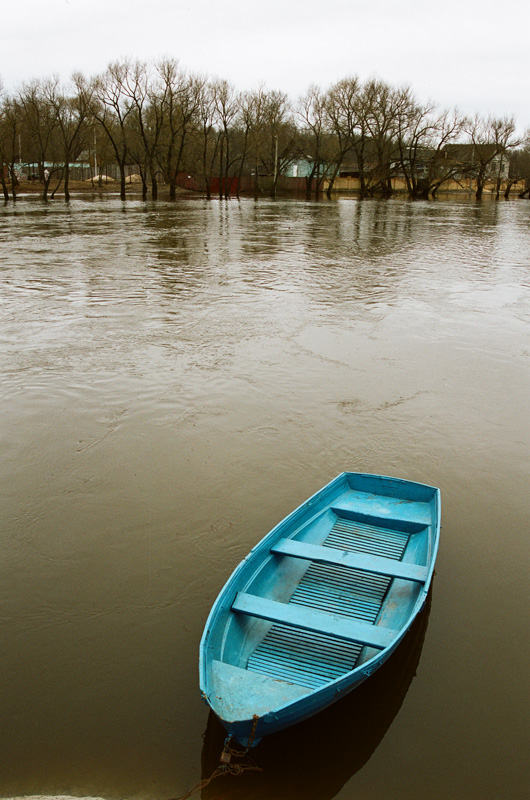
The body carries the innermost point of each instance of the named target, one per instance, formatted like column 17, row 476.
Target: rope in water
column 226, row 765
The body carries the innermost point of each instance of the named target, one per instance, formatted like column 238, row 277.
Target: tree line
column 164, row 122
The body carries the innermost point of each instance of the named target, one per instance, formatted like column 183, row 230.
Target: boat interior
column 331, row 589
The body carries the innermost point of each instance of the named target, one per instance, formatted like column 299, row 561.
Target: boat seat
column 344, row 558
column 233, row 686
column 309, row 619
column 398, row 509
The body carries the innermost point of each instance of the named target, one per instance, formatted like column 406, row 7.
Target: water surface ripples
column 175, row 379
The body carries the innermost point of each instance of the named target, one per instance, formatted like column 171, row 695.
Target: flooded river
column 175, row 380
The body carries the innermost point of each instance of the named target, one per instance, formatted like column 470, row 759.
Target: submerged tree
column 181, row 103
column 71, row 113
column 10, row 134
column 520, row 167
column 226, row 101
column 267, row 136
column 316, row 141
column 491, row 141
column 41, row 128
column 342, row 111
column 111, row 108
column 422, row 138
column 3, row 143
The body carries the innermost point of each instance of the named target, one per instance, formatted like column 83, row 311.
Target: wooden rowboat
column 318, row 765
column 319, row 603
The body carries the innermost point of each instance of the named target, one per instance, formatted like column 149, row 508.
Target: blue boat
column 319, row 603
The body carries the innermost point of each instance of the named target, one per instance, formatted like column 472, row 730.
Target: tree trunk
column 221, row 162
column 275, row 186
column 154, row 183
column 362, row 185
column 13, row 181
column 275, row 168
column 386, row 189
column 498, row 189
column 228, row 183
column 46, row 186
column 481, row 180
column 3, row 183
column 58, row 184
column 332, row 181
column 309, row 183
column 205, row 175
column 122, row 180
column 67, row 181
column 318, row 183
column 256, row 179
column 412, row 184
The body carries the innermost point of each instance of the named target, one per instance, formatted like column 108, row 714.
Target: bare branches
column 180, row 129
column 491, row 139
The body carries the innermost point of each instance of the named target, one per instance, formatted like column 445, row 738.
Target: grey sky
column 465, row 53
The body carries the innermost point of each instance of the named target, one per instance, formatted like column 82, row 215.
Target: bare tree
column 245, row 123
column 378, row 111
column 147, row 95
column 316, row 141
column 520, row 167
column 41, row 131
column 225, row 100
column 3, row 142
column 342, row 107
column 423, row 134
column 252, row 106
column 267, row 135
column 209, row 140
column 181, row 99
column 506, row 140
column 71, row 114
column 491, row 141
column 280, row 137
column 10, row 132
column 112, row 108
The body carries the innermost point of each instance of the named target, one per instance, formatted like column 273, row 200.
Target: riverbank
column 343, row 186
column 35, row 188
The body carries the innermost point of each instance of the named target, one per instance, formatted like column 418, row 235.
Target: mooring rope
column 226, row 765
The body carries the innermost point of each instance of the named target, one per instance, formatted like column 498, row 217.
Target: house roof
column 467, row 152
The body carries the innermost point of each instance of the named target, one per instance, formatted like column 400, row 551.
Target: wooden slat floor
column 313, row 659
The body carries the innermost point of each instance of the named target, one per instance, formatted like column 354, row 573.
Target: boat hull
column 319, row 604
column 249, row 732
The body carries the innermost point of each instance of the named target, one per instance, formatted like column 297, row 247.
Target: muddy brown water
column 178, row 377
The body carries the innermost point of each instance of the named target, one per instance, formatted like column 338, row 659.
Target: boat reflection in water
column 316, row 757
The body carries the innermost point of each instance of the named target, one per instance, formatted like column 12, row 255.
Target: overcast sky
column 472, row 54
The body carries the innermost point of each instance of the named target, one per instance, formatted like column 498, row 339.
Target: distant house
column 471, row 156
column 31, row 169
column 349, row 169
column 303, row 167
